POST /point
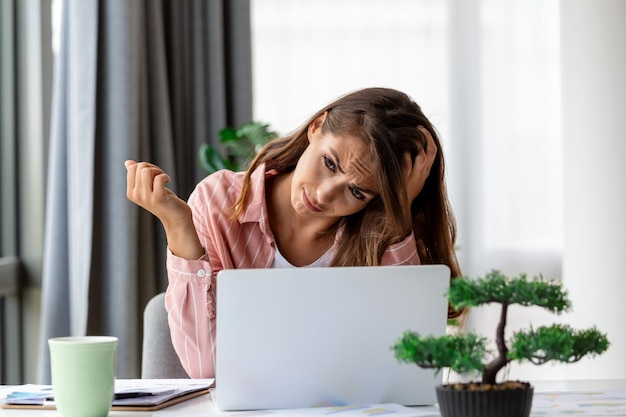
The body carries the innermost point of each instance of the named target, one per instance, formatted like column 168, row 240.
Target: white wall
column 594, row 112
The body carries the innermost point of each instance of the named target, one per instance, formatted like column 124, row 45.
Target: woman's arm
column 190, row 305
column 190, row 295
column 416, row 171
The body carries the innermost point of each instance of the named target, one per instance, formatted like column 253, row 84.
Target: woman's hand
column 417, row 170
column 145, row 186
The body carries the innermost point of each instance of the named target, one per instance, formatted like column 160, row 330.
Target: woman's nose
column 327, row 191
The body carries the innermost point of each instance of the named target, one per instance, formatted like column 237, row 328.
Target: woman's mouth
column 309, row 204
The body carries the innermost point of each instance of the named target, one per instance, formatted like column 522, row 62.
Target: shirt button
column 201, row 273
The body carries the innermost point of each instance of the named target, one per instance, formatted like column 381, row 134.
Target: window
column 485, row 72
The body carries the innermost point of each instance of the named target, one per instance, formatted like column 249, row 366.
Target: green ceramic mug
column 83, row 374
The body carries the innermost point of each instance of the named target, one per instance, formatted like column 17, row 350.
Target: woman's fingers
column 131, row 169
column 149, row 173
column 145, row 183
column 159, row 188
column 419, row 169
column 430, row 150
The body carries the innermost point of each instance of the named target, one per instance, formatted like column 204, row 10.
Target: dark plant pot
column 457, row 400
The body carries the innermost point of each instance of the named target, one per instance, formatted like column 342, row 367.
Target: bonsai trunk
column 500, row 361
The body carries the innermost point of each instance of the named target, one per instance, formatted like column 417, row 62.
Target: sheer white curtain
column 505, row 133
column 486, row 72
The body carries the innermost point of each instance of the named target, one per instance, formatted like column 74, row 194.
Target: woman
column 361, row 183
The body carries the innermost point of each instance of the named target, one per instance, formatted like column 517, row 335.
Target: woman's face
column 334, row 176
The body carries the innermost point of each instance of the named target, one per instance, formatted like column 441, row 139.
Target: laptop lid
column 304, row 337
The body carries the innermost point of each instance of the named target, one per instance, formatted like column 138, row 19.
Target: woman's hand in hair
column 417, row 170
column 146, row 187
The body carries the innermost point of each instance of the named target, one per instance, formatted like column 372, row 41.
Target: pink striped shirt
column 246, row 242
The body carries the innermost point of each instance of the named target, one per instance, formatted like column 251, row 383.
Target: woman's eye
column 329, row 163
column 357, row 194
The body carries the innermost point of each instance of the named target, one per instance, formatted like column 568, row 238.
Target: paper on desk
column 152, row 392
column 580, row 403
column 124, row 384
column 30, row 394
column 131, row 391
column 345, row 411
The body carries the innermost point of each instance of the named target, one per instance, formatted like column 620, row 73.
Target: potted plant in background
column 466, row 353
column 239, row 145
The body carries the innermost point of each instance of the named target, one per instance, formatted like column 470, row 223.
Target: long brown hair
column 387, row 121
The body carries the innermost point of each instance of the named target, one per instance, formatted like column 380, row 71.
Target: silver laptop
column 305, row 337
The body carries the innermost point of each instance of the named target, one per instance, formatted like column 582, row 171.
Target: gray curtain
column 147, row 80
column 25, row 87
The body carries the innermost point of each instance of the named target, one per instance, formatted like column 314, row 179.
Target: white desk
column 203, row 407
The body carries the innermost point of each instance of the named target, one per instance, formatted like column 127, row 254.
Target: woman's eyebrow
column 340, row 168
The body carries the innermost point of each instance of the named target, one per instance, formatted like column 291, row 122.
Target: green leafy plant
column 238, row 146
column 465, row 353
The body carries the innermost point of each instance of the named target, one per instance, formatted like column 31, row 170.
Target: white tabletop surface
column 202, row 406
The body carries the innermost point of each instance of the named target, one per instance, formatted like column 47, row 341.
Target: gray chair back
column 159, row 359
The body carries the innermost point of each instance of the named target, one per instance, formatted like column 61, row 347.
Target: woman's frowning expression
column 334, row 176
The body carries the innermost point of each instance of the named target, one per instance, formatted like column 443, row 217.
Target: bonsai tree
column 239, row 146
column 467, row 352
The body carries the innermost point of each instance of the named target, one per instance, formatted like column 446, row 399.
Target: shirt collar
column 256, row 210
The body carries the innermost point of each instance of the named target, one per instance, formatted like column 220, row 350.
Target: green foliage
column 497, row 288
column 558, row 343
column 467, row 352
column 239, row 145
column 463, row 353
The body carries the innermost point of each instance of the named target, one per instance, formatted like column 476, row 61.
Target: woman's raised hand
column 417, row 170
column 145, row 186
